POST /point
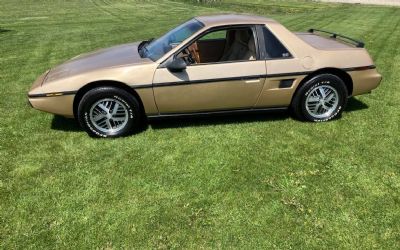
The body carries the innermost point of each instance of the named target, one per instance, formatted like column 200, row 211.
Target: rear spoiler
column 357, row 43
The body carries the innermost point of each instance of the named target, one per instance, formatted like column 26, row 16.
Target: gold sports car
column 208, row 65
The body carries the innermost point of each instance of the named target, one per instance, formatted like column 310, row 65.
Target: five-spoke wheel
column 321, row 98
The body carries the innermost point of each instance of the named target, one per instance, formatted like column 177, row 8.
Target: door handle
column 253, row 81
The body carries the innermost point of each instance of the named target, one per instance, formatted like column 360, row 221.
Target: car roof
column 232, row 19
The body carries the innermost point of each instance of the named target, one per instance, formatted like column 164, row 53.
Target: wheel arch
column 346, row 78
column 104, row 83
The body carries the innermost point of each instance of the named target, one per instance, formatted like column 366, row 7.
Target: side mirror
column 177, row 64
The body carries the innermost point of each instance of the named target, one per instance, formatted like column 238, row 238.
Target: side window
column 274, row 47
column 222, row 45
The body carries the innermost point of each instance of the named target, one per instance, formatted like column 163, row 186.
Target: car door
column 214, row 86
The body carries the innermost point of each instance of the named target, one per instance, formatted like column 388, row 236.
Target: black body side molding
column 214, row 112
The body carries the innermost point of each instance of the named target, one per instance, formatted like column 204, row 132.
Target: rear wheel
column 109, row 112
column 322, row 98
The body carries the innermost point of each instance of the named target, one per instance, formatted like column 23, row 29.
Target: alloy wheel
column 322, row 101
column 108, row 115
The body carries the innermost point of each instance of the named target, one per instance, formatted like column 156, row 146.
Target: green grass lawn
column 258, row 181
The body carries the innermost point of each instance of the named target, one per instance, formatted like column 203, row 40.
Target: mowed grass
column 264, row 181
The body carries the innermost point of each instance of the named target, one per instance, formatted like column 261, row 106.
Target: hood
column 125, row 54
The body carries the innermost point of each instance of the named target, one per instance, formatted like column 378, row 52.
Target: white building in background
column 381, row 2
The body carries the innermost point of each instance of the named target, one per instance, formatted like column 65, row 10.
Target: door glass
column 220, row 34
column 226, row 45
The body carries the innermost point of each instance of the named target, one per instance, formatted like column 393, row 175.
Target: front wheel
column 109, row 112
column 322, row 98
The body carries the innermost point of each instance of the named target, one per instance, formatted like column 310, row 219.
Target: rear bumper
column 365, row 80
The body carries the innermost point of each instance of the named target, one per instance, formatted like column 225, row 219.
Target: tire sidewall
column 329, row 80
column 97, row 94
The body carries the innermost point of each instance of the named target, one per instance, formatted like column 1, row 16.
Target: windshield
column 159, row 47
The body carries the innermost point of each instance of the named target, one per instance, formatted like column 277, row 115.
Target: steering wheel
column 188, row 57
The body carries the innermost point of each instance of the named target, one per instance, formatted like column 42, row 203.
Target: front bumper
column 60, row 105
column 55, row 103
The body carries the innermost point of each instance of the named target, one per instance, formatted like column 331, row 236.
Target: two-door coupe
column 209, row 64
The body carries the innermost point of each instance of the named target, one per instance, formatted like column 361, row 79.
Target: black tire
column 308, row 113
column 121, row 101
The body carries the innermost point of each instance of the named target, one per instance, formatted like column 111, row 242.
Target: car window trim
column 225, row 62
column 212, row 40
column 261, row 42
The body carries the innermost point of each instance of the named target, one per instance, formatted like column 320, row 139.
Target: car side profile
column 207, row 65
